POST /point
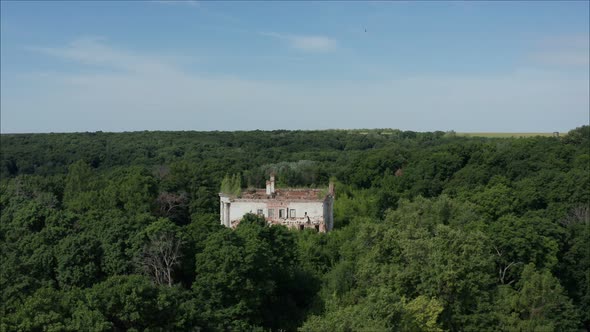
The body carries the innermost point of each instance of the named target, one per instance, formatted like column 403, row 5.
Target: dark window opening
column 317, row 228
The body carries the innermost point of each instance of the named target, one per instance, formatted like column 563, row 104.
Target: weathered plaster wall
column 302, row 208
column 239, row 209
column 315, row 210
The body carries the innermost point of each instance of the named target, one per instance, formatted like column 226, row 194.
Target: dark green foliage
column 78, row 259
column 45, row 310
column 249, row 277
column 537, row 304
column 575, row 262
column 134, row 302
column 432, row 232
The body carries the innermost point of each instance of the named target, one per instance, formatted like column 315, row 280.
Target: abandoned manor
column 294, row 208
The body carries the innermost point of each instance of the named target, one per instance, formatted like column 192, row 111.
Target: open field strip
column 504, row 134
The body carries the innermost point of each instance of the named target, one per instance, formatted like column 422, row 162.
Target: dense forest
column 433, row 232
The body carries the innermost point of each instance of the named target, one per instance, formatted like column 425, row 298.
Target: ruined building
column 294, row 208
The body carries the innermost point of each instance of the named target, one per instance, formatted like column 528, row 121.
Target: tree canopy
column 433, row 232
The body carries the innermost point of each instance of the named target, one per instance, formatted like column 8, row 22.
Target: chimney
column 268, row 192
column 272, row 184
column 331, row 188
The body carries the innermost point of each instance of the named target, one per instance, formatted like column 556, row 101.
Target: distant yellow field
column 505, row 134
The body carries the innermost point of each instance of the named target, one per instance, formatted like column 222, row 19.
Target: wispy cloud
column 191, row 3
column 96, row 52
column 306, row 43
column 563, row 51
column 143, row 91
column 563, row 58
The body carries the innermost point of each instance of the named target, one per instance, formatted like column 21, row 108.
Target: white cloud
column 306, row 43
column 191, row 3
column 563, row 51
column 95, row 51
column 313, row 43
column 564, row 58
column 147, row 92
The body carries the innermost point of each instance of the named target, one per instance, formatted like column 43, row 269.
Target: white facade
column 295, row 208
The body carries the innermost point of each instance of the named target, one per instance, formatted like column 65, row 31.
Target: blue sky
column 203, row 65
